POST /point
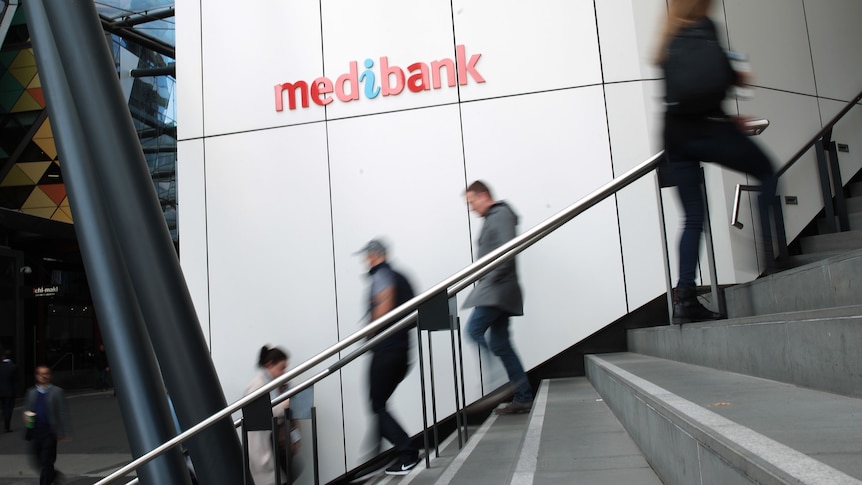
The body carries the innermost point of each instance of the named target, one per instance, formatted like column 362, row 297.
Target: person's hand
column 743, row 78
column 741, row 121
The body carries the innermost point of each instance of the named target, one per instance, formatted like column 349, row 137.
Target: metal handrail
column 62, row 358
column 734, row 220
column 404, row 314
column 826, row 128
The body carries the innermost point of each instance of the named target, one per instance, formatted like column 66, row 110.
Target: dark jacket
column 500, row 287
column 382, row 276
column 56, row 408
column 8, row 378
column 679, row 128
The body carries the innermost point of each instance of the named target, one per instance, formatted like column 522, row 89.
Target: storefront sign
column 45, row 291
column 347, row 87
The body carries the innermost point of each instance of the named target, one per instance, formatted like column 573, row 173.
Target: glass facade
column 45, row 303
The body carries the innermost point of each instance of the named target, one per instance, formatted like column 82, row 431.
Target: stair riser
column 855, row 219
column 854, row 204
column 816, row 351
column 834, row 282
column 840, row 241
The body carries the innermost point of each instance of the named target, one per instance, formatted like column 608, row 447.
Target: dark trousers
column 7, row 404
column 723, row 143
column 388, row 368
column 44, row 452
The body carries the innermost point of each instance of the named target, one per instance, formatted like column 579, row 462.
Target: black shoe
column 401, row 468
column 515, row 407
column 687, row 308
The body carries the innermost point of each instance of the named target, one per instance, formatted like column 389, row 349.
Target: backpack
column 697, row 71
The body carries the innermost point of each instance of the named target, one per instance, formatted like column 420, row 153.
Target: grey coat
column 500, row 287
column 56, row 408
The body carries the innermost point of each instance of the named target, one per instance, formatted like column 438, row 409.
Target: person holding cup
column 45, row 422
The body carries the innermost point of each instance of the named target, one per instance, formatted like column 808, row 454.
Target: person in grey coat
column 497, row 295
column 48, row 402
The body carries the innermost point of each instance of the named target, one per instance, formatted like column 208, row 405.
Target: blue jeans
column 486, row 318
column 719, row 142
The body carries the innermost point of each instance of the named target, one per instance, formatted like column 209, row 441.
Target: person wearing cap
column 497, row 295
column 389, row 361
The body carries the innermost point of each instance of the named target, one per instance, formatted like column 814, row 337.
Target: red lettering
column 418, row 81
column 418, row 77
column 291, row 88
column 385, row 72
column 437, row 66
column 467, row 68
column 353, row 78
column 319, row 89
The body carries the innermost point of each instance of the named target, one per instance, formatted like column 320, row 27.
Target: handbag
column 697, row 70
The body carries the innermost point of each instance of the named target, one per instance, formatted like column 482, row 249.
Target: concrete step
column 571, row 436
column 839, row 241
column 854, row 204
column 854, row 218
column 701, row 425
column 806, row 348
column 831, row 282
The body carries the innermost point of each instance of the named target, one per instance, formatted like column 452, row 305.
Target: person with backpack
column 698, row 74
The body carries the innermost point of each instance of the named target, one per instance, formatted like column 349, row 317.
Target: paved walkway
column 98, row 443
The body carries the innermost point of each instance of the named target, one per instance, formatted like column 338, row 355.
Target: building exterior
column 315, row 126
column 46, row 310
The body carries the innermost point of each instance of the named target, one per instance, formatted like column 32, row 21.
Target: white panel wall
column 193, row 253
column 189, row 49
column 354, row 32
column 835, row 37
column 550, row 44
column 274, row 204
column 773, row 34
column 628, row 31
column 246, row 52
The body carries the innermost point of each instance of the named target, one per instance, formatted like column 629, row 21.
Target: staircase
column 818, row 242
column 771, row 395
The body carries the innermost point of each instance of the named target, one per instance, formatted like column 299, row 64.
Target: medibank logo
column 347, row 87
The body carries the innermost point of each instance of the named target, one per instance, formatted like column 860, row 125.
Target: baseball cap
column 373, row 246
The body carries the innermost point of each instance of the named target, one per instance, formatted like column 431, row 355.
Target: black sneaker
column 402, row 468
column 515, row 407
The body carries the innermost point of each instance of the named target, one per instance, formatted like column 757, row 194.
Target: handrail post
column 837, row 183
column 665, row 252
column 825, row 187
column 780, row 230
column 717, row 296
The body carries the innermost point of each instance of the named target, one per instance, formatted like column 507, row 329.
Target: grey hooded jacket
column 500, row 287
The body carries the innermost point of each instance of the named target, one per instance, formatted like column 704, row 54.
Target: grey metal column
column 147, row 248
column 141, row 390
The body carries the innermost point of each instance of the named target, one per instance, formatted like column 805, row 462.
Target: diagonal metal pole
column 141, row 393
column 140, row 228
